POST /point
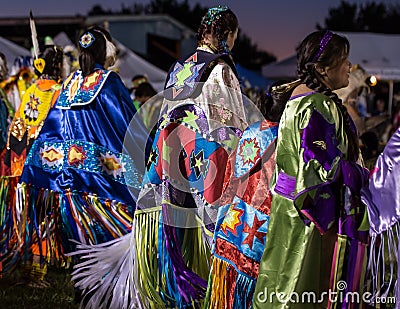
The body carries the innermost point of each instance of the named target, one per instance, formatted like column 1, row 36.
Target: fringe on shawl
column 30, row 225
column 42, row 222
column 228, row 288
column 383, row 272
column 106, row 275
column 171, row 261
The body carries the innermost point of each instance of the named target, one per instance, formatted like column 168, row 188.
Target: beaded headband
column 324, row 41
column 213, row 13
column 86, row 40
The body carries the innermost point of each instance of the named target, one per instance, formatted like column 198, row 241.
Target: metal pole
column 390, row 105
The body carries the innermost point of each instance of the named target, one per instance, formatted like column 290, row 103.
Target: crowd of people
column 197, row 196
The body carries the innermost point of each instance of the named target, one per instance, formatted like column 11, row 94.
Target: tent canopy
column 12, row 51
column 128, row 64
column 377, row 53
column 251, row 78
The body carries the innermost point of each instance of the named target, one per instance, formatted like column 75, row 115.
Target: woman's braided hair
column 218, row 21
column 332, row 54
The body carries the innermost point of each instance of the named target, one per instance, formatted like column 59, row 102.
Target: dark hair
column 53, row 59
column 145, row 90
column 272, row 103
column 218, row 22
column 137, row 80
column 332, row 53
column 4, row 72
column 94, row 50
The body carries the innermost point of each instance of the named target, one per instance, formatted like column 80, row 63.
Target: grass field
column 59, row 295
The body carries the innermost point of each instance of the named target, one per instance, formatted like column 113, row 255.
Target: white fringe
column 107, row 271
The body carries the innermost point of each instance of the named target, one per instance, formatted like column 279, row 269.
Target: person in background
column 6, row 110
column 165, row 262
column 318, row 228
column 27, row 123
column 150, row 105
column 83, row 173
column 21, row 76
column 242, row 223
column 136, row 81
column 380, row 107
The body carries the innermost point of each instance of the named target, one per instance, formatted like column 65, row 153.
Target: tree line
column 346, row 17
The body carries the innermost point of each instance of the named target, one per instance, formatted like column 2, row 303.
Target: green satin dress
column 296, row 265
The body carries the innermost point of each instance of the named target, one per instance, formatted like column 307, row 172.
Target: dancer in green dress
column 315, row 246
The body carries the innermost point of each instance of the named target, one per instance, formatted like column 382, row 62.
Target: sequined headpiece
column 213, row 13
column 324, row 41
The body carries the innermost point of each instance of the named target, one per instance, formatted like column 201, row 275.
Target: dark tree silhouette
column 370, row 17
column 245, row 51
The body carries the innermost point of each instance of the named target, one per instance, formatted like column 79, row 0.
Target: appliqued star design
column 111, row 164
column 232, row 220
column 253, row 232
column 184, row 75
column 249, row 151
column 31, row 110
column 51, row 156
column 91, row 80
column 191, row 119
column 199, row 164
column 164, row 121
column 76, row 155
column 152, row 158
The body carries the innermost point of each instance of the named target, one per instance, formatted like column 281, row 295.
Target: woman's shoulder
column 308, row 102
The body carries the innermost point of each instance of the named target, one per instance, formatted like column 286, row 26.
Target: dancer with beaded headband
column 24, row 129
column 78, row 170
column 202, row 118
column 318, row 232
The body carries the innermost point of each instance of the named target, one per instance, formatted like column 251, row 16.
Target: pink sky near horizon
column 275, row 26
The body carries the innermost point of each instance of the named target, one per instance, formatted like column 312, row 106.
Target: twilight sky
column 276, row 26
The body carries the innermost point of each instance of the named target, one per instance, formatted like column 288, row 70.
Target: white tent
column 128, row 64
column 377, row 53
column 12, row 51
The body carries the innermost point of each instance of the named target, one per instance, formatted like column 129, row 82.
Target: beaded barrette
column 214, row 13
column 86, row 40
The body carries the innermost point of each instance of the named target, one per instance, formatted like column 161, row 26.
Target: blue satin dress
column 83, row 173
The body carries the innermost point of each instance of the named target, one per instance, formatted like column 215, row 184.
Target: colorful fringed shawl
column 242, row 224
column 24, row 129
column 169, row 247
column 318, row 228
column 382, row 198
column 78, row 182
column 184, row 180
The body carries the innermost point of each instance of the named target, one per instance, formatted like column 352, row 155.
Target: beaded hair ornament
column 86, row 40
column 324, row 41
column 213, row 13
